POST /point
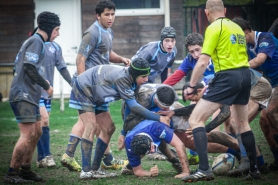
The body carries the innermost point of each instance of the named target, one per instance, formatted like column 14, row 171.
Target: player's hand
column 154, row 171
column 168, row 113
column 179, row 176
column 126, row 61
column 121, row 142
column 49, row 90
column 165, row 119
column 189, row 133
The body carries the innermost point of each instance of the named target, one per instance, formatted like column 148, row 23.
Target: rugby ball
column 223, row 163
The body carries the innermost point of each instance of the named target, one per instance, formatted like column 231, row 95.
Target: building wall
column 16, row 21
column 132, row 32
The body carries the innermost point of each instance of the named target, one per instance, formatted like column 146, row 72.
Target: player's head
column 165, row 97
column 104, row 4
column 47, row 22
column 168, row 38
column 105, row 13
column 214, row 9
column 242, row 23
column 194, row 43
column 139, row 70
column 197, row 93
column 246, row 27
column 167, row 32
column 141, row 144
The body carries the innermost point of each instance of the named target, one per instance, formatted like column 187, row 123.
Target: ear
column 98, row 17
column 225, row 11
column 206, row 12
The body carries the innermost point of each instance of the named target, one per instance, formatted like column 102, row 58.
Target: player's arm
column 66, row 75
column 139, row 172
column 257, row 61
column 177, row 143
column 118, row 59
column 32, row 72
column 80, row 63
column 198, row 72
column 136, row 108
column 174, row 78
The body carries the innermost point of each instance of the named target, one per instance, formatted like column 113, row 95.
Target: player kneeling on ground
column 144, row 139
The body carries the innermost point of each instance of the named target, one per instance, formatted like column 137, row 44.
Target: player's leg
column 212, row 147
column 107, row 127
column 203, row 110
column 89, row 121
column 74, row 139
column 28, row 119
column 45, row 159
column 247, row 137
column 269, row 117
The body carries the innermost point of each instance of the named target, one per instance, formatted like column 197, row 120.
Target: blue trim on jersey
column 100, row 27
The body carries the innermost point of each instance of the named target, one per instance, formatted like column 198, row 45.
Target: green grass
column 61, row 124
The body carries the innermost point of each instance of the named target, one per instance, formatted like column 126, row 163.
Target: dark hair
column 245, row 25
column 140, row 144
column 104, row 4
column 166, row 95
column 193, row 39
column 196, row 87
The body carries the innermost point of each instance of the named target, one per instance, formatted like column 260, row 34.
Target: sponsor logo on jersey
column 31, row 57
column 263, row 44
column 87, row 49
column 52, row 49
column 25, row 95
column 233, row 39
column 163, row 134
column 169, row 58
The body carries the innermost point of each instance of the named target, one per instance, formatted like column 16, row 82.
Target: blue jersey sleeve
column 140, row 110
column 188, row 64
column 266, row 45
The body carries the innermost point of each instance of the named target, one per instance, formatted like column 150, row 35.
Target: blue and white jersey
column 107, row 83
column 189, row 63
column 266, row 43
column 158, row 59
column 24, row 88
column 53, row 57
column 156, row 130
column 96, row 45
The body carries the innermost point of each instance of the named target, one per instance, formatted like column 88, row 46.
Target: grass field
column 61, row 124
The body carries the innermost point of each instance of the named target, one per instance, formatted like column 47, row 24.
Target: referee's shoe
column 199, row 175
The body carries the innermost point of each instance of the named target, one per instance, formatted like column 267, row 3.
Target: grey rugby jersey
column 107, row 83
column 53, row 57
column 96, row 45
column 158, row 59
column 24, row 88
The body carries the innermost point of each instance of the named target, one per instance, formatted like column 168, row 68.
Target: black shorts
column 25, row 112
column 230, row 87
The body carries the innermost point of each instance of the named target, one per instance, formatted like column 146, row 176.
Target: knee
column 45, row 120
column 111, row 130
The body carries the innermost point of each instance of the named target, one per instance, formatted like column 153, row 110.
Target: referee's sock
column 201, row 144
column 248, row 141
